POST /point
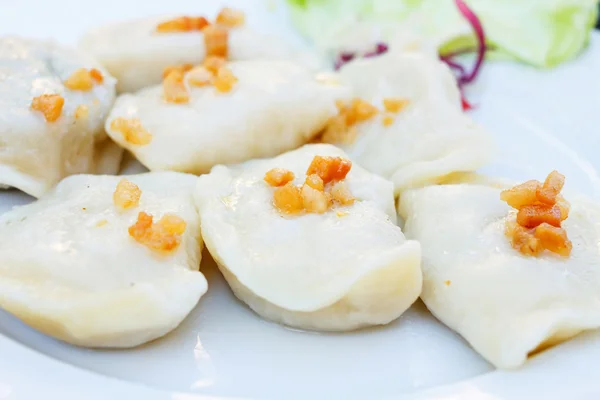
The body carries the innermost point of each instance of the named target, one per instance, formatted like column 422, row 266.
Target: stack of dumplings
column 296, row 178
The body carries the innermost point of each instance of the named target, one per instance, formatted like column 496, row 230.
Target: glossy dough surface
column 69, row 268
column 504, row 304
column 36, row 154
column 136, row 54
column 331, row 271
column 429, row 138
column 275, row 106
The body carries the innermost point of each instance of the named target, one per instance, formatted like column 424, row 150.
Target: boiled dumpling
column 136, row 54
column 423, row 135
column 344, row 268
column 102, row 262
column 271, row 107
column 53, row 104
column 505, row 304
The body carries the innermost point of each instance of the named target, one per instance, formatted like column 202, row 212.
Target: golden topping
column 214, row 63
column 50, row 105
column 521, row 195
column 278, row 177
column 394, row 104
column 342, row 213
column 313, row 200
column 82, row 111
column 215, row 41
column 199, row 76
column 533, row 215
column 329, row 168
column 126, row 195
column 83, row 79
column 342, row 194
column 165, row 235
column 340, row 129
column 96, row 75
column 230, row 18
column 174, row 90
column 447, row 283
column 554, row 239
column 183, row 24
column 541, row 212
column 288, row 199
column 132, row 130
column 102, row 222
column 551, row 188
column 183, row 68
column 315, row 182
column 387, row 120
column 224, row 80
column 315, row 195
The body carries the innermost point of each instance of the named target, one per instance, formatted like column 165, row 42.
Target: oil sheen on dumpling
column 428, row 139
column 137, row 55
column 504, row 304
column 347, row 268
column 274, row 106
column 69, row 268
column 36, row 153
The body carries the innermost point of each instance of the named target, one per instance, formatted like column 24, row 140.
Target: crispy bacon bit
column 541, row 212
column 315, row 182
column 554, row 239
column 174, row 90
column 183, row 24
column 342, row 194
column 536, row 214
column 521, row 195
column 180, row 68
column 165, row 235
column 199, row 76
column 215, row 41
column 329, row 168
column 126, row 195
column 230, row 18
column 551, row 188
column 224, row 80
column 394, row 104
column 387, row 120
column 96, row 75
column 313, row 200
column 214, row 63
column 50, row 105
column 288, row 199
column 82, row 112
column 132, row 130
column 278, row 176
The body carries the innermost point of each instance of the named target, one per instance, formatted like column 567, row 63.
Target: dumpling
column 326, row 266
column 409, row 125
column 268, row 108
column 104, row 261
column 53, row 104
column 504, row 303
column 136, row 53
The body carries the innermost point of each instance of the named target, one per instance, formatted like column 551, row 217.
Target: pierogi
column 344, row 268
column 79, row 264
column 52, row 114
column 505, row 304
column 424, row 139
column 136, row 54
column 273, row 107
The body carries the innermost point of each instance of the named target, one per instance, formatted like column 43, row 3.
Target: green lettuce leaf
column 543, row 33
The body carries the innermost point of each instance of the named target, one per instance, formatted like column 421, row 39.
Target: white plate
column 542, row 121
